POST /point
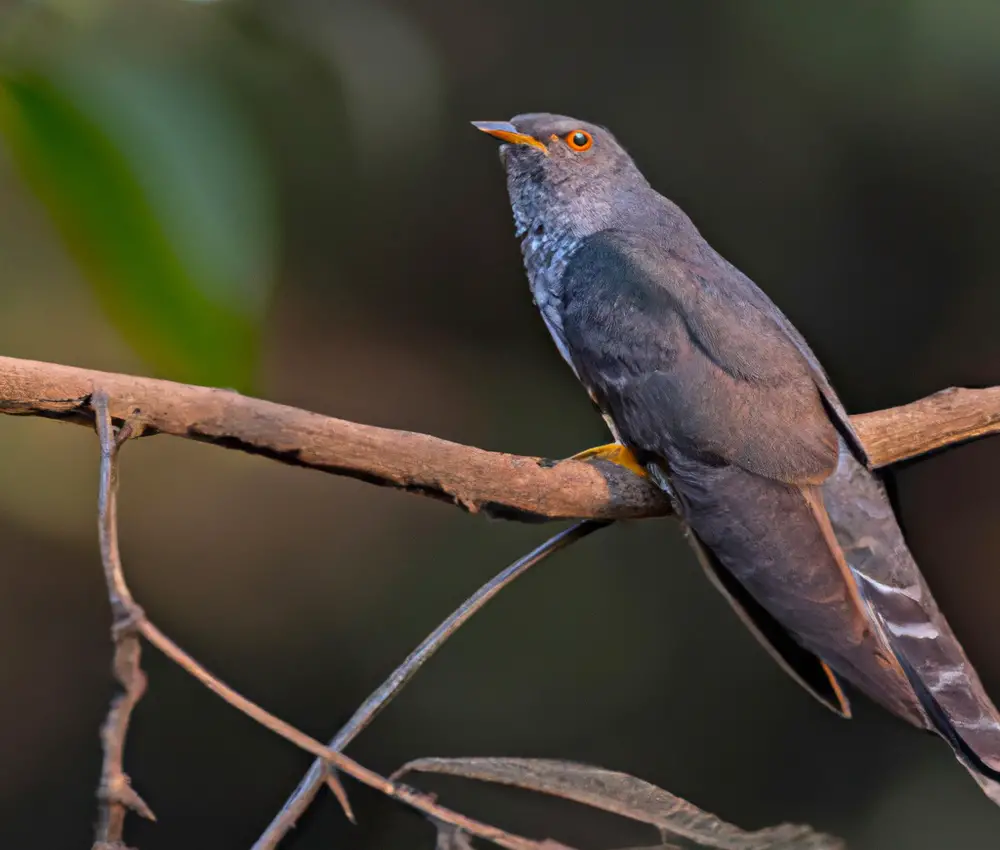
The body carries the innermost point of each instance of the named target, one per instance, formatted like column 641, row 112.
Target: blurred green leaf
column 154, row 181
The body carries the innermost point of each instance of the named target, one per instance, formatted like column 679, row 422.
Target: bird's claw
column 614, row 453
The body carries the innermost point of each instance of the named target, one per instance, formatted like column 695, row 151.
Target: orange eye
column 579, row 140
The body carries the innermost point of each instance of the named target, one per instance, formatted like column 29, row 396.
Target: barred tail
column 901, row 606
column 988, row 777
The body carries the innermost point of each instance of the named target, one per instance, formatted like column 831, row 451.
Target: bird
column 709, row 390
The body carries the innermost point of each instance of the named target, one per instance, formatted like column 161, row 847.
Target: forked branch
column 320, row 772
column 127, row 611
column 115, row 793
column 508, row 486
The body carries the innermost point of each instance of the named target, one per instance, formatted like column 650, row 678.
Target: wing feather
column 697, row 370
column 673, row 354
column 812, row 673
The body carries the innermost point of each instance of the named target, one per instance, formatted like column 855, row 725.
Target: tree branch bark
column 502, row 485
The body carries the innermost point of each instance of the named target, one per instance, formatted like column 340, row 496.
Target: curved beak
column 507, row 132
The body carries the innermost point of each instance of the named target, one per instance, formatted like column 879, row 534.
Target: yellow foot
column 615, row 453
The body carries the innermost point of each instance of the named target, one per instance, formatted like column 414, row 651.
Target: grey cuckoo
column 708, row 389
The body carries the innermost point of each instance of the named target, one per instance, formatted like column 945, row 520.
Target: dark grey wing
column 683, row 370
column 739, row 286
column 811, row 672
column 694, row 367
column 679, row 361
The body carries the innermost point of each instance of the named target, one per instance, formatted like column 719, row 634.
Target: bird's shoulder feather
column 681, row 347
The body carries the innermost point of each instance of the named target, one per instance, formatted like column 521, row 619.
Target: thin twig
column 115, row 793
column 138, row 622
column 421, row 802
column 505, row 485
column 307, row 789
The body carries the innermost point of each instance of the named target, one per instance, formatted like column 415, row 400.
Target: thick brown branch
column 943, row 419
column 503, row 485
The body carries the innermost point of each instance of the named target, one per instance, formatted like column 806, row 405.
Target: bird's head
column 564, row 174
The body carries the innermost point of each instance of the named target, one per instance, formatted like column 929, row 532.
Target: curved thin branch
column 130, row 614
column 423, row 803
column 300, row 800
column 503, row 485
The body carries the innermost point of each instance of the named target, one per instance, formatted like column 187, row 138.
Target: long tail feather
column 913, row 628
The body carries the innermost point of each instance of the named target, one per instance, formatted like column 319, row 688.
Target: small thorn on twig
column 337, row 787
column 305, row 793
column 119, row 791
column 115, row 792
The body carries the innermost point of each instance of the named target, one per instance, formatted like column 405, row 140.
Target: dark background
column 845, row 155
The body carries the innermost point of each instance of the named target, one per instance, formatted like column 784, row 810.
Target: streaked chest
column 546, row 255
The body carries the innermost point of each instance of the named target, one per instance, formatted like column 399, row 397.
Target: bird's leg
column 614, row 453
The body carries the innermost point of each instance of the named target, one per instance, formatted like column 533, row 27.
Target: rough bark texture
column 503, row 485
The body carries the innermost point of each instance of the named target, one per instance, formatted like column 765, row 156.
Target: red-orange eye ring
column 579, row 140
